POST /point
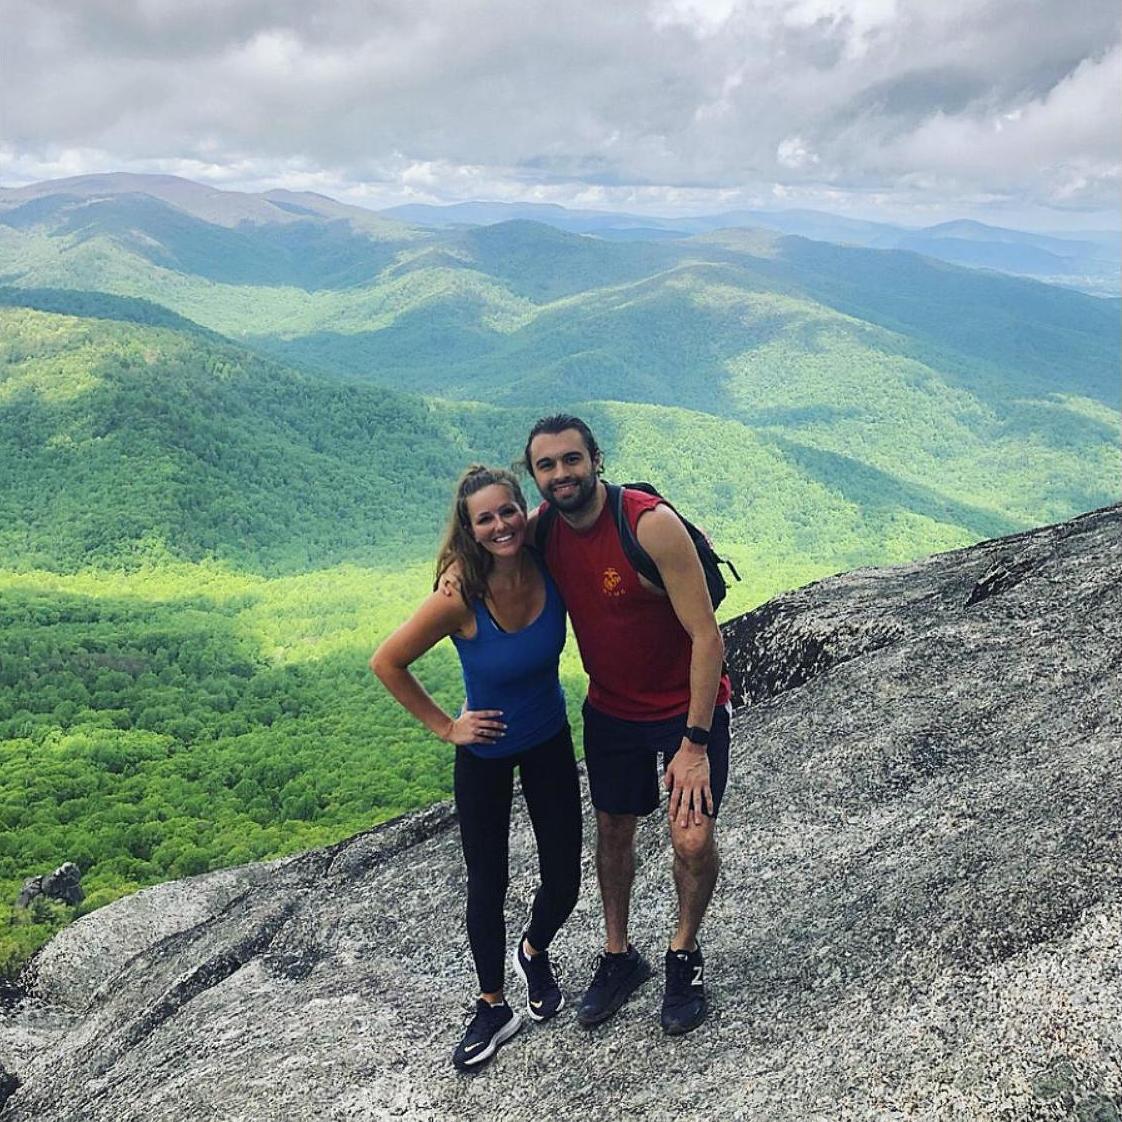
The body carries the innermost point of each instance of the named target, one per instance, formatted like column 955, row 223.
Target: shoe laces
column 541, row 969
column 479, row 1008
column 608, row 965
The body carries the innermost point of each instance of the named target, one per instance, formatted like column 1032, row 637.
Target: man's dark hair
column 560, row 422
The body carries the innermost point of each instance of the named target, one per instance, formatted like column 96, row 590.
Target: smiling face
column 563, row 470
column 496, row 521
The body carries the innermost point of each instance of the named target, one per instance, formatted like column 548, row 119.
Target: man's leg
column 621, row 968
column 624, row 777
column 696, row 863
column 615, row 870
column 684, row 1004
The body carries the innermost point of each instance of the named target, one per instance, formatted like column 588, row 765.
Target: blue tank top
column 516, row 671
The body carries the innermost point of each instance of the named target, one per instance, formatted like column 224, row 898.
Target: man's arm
column 662, row 535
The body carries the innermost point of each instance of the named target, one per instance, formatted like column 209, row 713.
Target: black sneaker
column 491, row 1025
column 544, row 998
column 617, row 975
column 683, row 1005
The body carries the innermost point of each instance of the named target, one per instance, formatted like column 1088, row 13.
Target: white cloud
column 638, row 103
column 793, row 153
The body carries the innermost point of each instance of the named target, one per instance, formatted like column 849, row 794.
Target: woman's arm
column 438, row 617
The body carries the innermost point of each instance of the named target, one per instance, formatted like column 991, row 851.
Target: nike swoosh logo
column 472, row 1047
column 537, row 1004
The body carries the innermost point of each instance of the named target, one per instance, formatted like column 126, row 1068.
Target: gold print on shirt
column 612, row 582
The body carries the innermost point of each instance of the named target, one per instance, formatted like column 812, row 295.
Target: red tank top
column 635, row 651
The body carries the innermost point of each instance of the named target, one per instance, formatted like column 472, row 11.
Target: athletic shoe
column 544, row 998
column 489, row 1027
column 683, row 1005
column 617, row 975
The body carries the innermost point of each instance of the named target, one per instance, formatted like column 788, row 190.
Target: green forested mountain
column 134, row 436
column 121, row 438
column 215, row 496
column 525, row 311
column 914, row 370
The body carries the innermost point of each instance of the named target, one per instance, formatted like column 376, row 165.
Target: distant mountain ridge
column 210, row 204
column 895, row 381
column 1090, row 263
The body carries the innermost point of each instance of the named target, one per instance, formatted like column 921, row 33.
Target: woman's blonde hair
column 459, row 545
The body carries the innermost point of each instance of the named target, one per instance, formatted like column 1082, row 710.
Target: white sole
column 503, row 1035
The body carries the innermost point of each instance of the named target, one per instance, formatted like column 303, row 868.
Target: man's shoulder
column 637, row 503
column 636, row 495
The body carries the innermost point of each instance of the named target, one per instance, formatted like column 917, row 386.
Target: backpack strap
column 641, row 561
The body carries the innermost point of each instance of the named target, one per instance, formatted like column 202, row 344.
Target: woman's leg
column 483, row 792
column 552, row 792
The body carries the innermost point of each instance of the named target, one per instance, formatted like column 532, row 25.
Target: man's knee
column 693, row 843
column 615, row 831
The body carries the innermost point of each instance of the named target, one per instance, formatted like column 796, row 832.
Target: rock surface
column 919, row 915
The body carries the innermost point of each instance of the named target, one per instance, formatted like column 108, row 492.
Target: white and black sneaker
column 544, row 998
column 683, row 1004
column 489, row 1027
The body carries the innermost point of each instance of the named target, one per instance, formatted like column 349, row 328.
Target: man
column 654, row 661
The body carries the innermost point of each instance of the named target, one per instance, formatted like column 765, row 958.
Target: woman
column 508, row 626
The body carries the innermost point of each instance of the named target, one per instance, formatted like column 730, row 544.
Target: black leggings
column 484, row 788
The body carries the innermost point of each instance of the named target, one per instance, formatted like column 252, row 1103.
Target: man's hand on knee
column 687, row 780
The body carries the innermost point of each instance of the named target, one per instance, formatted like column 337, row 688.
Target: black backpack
column 637, row 555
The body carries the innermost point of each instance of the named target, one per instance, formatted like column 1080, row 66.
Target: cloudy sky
column 913, row 110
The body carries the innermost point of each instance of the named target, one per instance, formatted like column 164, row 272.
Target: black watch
column 695, row 734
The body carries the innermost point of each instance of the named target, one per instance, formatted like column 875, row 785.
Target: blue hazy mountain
column 1089, row 262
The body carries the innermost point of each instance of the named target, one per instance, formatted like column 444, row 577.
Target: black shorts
column 622, row 759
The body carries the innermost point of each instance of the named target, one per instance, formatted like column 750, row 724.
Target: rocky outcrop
column 64, row 884
column 919, row 916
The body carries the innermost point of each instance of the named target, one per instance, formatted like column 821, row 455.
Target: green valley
column 230, row 426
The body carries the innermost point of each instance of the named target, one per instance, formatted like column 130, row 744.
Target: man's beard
column 578, row 500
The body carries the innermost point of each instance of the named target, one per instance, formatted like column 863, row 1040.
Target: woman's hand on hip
column 476, row 726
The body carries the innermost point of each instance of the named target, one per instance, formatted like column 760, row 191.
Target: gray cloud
column 687, row 104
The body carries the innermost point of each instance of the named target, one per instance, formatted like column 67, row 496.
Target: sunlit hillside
column 227, row 445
